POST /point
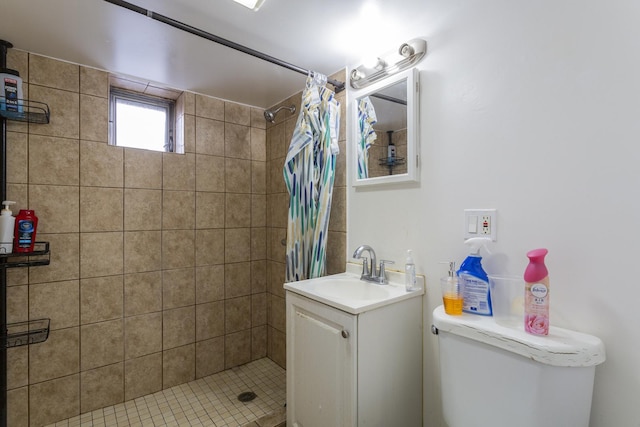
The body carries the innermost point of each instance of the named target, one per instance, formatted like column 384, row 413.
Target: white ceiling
column 321, row 35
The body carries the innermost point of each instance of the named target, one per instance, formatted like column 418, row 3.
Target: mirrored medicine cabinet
column 385, row 129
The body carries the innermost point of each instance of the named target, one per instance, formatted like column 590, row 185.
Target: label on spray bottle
column 536, row 303
column 476, row 295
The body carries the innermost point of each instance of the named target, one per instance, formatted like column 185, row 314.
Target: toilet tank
column 498, row 376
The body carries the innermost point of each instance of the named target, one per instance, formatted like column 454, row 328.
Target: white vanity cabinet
column 354, row 369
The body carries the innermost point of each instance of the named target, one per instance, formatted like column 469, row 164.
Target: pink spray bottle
column 536, row 294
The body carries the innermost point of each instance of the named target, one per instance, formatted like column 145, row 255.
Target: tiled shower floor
column 207, row 402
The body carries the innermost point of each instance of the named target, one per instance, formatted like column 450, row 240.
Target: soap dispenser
column 7, row 222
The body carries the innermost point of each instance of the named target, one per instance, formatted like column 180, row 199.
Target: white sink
column 345, row 291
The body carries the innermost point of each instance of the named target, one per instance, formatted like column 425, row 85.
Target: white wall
column 532, row 108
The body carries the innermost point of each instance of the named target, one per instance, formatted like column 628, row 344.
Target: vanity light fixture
column 407, row 55
column 251, row 4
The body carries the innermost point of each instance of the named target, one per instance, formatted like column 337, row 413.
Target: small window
column 141, row 121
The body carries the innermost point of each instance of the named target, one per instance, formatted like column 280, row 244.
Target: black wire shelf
column 25, row 111
column 39, row 256
column 25, row 333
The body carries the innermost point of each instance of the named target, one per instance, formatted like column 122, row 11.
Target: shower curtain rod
column 338, row 85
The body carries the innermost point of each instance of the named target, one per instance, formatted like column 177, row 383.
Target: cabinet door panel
column 320, row 364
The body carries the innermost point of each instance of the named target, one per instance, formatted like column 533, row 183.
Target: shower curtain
column 367, row 136
column 309, row 174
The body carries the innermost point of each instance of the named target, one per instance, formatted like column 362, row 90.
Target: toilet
column 498, row 376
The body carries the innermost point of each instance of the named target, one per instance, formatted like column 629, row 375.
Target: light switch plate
column 480, row 223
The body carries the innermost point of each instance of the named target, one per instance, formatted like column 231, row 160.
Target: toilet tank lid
column 562, row 347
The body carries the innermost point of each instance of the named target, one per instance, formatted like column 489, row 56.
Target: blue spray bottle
column 474, row 280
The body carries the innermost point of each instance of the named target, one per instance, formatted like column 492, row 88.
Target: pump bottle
column 474, row 280
column 7, row 223
column 536, row 294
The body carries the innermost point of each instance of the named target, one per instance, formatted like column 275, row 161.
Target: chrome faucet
column 370, row 272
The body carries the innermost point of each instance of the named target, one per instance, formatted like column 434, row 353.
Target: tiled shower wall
column 159, row 264
column 278, row 138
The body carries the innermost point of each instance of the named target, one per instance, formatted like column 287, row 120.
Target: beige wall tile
column 101, row 254
column 142, row 168
column 237, row 141
column 237, row 279
column 178, row 249
column 143, row 209
column 53, row 161
column 237, row 240
column 259, row 309
column 338, row 220
column 101, row 344
column 17, row 165
column 209, row 107
column 101, row 165
column 101, row 209
column 238, row 213
column 178, row 171
column 65, row 107
column 210, row 210
column 209, row 357
column 278, row 210
column 188, row 101
column 278, row 313
column 237, row 314
column 142, row 335
column 142, row 251
column 178, row 327
column 276, row 278
column 209, row 283
column 101, row 387
column 142, row 293
column 64, row 259
column 53, row 73
column 209, row 136
column 94, row 82
column 188, row 132
column 258, row 342
column 178, row 210
column 258, row 177
column 257, row 118
column 237, row 113
column 258, row 243
column 210, row 174
column 258, row 144
column 17, row 303
column 17, row 276
column 210, row 246
column 58, row 301
column 18, row 407
column 277, row 347
column 54, row 400
column 275, row 179
column 258, row 276
column 258, row 210
column 17, row 367
column 237, row 349
column 276, row 142
column 336, row 252
column 19, row 60
column 238, row 175
column 142, row 376
column 94, row 118
column 210, row 320
column 57, row 208
column 178, row 365
column 101, row 298
column 57, row 357
column 178, row 288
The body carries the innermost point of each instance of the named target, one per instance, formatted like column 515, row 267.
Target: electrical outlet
column 480, row 223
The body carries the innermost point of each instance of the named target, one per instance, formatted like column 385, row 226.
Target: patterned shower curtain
column 309, row 172
column 367, row 136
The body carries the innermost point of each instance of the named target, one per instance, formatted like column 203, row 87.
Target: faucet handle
column 382, row 276
column 365, row 267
